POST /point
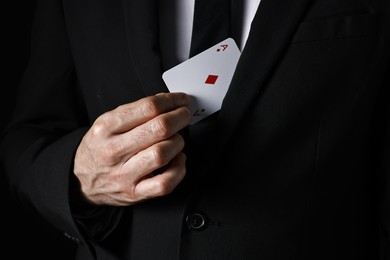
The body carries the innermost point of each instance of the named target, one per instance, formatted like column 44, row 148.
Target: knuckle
column 163, row 187
column 158, row 156
column 99, row 128
column 146, row 161
column 180, row 140
column 102, row 125
column 160, row 127
column 123, row 111
column 150, row 108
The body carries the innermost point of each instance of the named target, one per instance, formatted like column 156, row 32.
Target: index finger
column 130, row 115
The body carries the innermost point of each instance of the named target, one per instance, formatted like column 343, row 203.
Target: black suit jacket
column 294, row 166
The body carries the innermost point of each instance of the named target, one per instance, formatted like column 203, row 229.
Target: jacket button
column 196, row 221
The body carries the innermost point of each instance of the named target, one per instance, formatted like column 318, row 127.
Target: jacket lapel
column 272, row 29
column 142, row 31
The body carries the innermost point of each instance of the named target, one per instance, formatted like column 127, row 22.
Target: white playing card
column 205, row 77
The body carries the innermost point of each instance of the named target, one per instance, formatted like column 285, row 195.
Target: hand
column 117, row 157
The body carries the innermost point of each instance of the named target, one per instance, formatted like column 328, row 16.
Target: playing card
column 205, row 77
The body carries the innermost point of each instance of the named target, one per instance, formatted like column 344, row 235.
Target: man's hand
column 116, row 158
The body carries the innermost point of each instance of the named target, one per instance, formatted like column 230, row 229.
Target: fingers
column 159, row 128
column 123, row 146
column 128, row 116
column 141, row 124
column 116, row 157
column 147, row 161
column 162, row 184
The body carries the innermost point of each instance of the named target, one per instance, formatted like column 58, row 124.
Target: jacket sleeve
column 48, row 122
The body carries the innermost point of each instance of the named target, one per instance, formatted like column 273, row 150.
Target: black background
column 27, row 235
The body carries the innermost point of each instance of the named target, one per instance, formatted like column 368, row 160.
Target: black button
column 196, row 221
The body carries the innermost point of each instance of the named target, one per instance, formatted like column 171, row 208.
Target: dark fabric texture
column 294, row 166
